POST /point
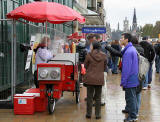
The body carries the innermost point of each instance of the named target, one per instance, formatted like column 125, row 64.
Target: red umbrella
column 46, row 12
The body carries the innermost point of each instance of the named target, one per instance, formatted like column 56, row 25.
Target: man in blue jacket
column 129, row 78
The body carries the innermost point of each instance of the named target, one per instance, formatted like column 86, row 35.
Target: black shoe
column 98, row 117
column 88, row 117
column 85, row 99
column 130, row 120
column 125, row 111
column 103, row 104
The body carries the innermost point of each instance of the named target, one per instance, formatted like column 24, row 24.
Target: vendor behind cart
column 42, row 55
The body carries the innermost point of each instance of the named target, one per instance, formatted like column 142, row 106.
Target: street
column 68, row 111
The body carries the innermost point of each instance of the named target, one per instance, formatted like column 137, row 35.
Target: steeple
column 134, row 17
column 134, row 24
column 118, row 26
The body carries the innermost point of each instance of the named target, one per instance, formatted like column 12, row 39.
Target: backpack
column 143, row 66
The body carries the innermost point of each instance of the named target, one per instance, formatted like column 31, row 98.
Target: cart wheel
column 77, row 92
column 51, row 105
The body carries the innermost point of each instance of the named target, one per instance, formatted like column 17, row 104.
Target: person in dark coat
column 81, row 50
column 95, row 64
column 157, row 59
column 149, row 53
column 115, row 58
column 137, row 46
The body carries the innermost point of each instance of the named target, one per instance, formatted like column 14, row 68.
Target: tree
column 147, row 30
column 156, row 29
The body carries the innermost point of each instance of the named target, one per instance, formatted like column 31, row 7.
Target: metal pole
column 46, row 27
column 13, row 59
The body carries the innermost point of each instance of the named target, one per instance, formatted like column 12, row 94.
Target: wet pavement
column 68, row 111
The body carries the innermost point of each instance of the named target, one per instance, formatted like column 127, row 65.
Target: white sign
column 33, row 38
column 29, row 58
column 22, row 101
column 30, row 52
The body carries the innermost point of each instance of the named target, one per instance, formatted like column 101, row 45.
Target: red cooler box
column 40, row 103
column 24, row 104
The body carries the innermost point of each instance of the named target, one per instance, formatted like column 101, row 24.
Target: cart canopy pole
column 13, row 59
column 46, row 27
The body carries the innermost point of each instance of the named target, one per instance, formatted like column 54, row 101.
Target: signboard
column 29, row 57
column 30, row 52
column 93, row 30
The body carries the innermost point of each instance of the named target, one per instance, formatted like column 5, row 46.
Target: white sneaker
column 145, row 88
column 81, row 85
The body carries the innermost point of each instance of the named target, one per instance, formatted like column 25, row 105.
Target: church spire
column 134, row 17
column 118, row 26
column 134, row 26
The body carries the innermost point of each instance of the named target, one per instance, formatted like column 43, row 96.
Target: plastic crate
column 24, row 104
column 40, row 103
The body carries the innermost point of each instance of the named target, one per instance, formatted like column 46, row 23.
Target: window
column 89, row 3
column 9, row 6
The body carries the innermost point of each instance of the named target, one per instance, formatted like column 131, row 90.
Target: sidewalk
column 68, row 111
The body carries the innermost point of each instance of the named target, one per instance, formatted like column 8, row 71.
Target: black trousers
column 94, row 90
column 36, row 80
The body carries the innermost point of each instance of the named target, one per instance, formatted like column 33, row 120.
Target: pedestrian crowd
column 122, row 55
column 119, row 56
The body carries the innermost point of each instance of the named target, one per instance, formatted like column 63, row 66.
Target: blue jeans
column 145, row 83
column 131, row 102
column 109, row 63
column 138, row 95
column 150, row 74
column 157, row 63
column 114, row 64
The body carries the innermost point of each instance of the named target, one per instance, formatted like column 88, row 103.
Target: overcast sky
column 148, row 11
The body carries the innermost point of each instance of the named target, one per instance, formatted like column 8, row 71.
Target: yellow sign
column 159, row 36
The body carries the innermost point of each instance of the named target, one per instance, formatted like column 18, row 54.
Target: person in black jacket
column 81, row 50
column 157, row 59
column 115, row 45
column 137, row 45
column 149, row 53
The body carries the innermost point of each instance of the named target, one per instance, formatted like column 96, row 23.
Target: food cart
column 59, row 74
